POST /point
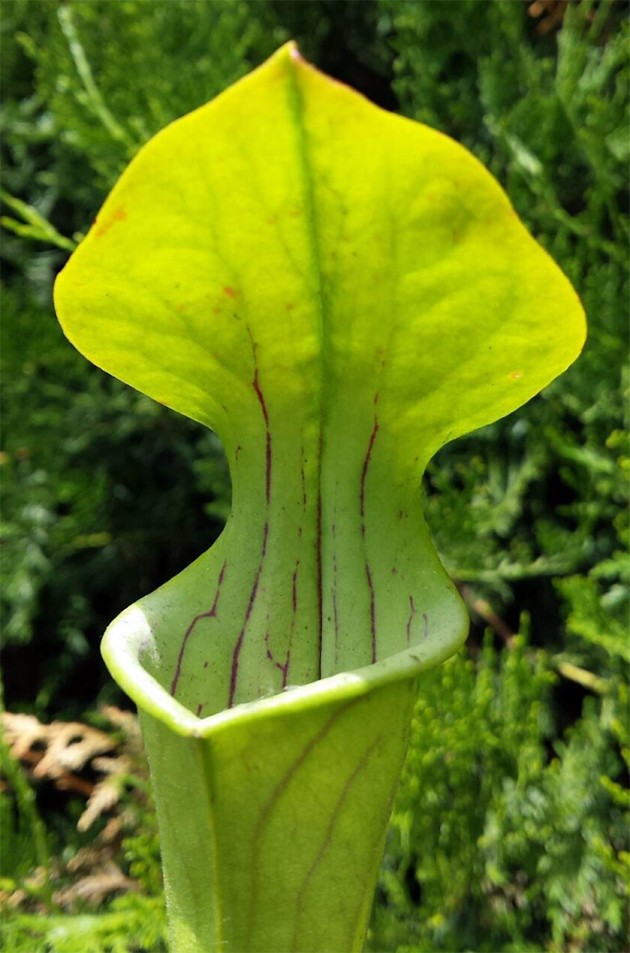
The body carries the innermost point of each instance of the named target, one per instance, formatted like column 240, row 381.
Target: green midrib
column 296, row 103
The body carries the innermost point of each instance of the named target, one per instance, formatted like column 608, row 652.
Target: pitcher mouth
column 128, row 644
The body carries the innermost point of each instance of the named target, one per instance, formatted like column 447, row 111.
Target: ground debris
column 97, row 766
column 76, row 757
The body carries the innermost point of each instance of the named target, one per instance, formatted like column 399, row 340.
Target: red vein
column 294, row 588
column 333, row 531
column 268, row 465
column 210, row 614
column 281, row 786
column 304, row 497
column 364, row 471
column 294, row 606
column 318, row 554
column 303, row 478
column 283, row 668
column 335, row 608
column 334, row 815
column 368, row 573
column 250, row 605
column 412, row 612
column 265, row 412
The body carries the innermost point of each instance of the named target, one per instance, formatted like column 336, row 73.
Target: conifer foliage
column 510, row 829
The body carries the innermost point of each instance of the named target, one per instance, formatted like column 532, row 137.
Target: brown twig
column 484, row 610
column 549, row 13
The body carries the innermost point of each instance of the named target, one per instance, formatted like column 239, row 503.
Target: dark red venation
column 334, row 602
column 266, row 810
column 250, row 605
column 412, row 612
column 265, row 412
column 294, row 588
column 202, row 615
column 364, row 471
column 368, row 573
column 303, row 477
column 282, row 668
column 268, row 453
column 327, row 837
column 260, row 396
column 241, row 636
column 318, row 552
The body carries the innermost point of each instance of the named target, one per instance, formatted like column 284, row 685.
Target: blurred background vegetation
column 511, row 828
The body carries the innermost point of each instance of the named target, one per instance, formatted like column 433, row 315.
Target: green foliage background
column 511, row 828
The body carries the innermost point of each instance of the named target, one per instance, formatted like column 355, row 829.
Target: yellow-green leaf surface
column 338, row 292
